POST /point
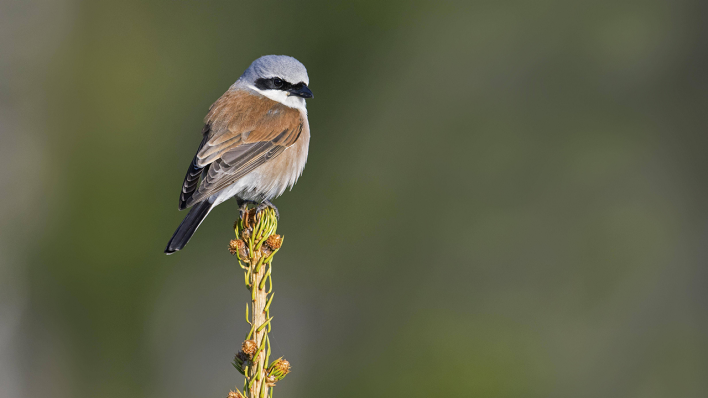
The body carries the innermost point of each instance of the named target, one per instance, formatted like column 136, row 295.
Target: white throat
column 283, row 97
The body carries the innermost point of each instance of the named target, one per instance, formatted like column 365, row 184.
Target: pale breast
column 272, row 179
column 282, row 172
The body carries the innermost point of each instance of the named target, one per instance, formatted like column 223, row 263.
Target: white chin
column 283, row 97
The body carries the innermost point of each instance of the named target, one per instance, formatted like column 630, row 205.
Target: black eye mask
column 299, row 89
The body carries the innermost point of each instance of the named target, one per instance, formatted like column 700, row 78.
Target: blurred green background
column 502, row 199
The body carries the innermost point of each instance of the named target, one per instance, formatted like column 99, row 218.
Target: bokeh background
column 502, row 199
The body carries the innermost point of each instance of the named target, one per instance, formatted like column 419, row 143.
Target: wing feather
column 246, row 131
column 191, row 180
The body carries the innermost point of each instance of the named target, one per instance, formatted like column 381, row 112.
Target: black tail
column 189, row 225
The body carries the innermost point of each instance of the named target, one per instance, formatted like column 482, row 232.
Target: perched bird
column 254, row 143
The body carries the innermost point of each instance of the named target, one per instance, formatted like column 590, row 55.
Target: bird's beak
column 303, row 92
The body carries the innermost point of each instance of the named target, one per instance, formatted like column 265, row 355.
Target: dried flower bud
column 238, row 246
column 270, row 380
column 235, row 394
column 249, row 348
column 246, row 234
column 274, row 242
column 266, row 251
column 283, row 366
column 235, row 245
column 279, row 368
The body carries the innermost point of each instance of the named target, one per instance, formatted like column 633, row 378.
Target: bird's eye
column 277, row 83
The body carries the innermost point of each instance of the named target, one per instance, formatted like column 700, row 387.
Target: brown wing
column 245, row 130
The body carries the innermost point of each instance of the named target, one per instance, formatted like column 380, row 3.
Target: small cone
column 274, row 242
column 249, row 348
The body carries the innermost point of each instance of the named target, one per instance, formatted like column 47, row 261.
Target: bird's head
column 280, row 78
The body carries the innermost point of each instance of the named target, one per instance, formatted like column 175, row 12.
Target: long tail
column 189, row 225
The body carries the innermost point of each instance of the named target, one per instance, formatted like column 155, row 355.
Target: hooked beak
column 303, row 92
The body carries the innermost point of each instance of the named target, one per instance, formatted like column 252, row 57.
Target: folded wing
column 243, row 131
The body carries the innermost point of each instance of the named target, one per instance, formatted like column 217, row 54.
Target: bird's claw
column 243, row 210
column 266, row 204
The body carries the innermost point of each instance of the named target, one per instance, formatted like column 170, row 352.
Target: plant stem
column 258, row 317
column 255, row 245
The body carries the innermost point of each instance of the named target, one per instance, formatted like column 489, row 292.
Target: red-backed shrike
column 254, row 144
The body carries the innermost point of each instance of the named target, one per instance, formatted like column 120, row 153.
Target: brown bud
column 270, row 380
column 249, row 348
column 274, row 242
column 235, row 394
column 265, row 250
column 238, row 246
column 283, row 366
column 246, row 234
column 279, row 368
column 235, row 245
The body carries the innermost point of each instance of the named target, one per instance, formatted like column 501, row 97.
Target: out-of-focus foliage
column 502, row 199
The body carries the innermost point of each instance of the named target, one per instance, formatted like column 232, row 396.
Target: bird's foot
column 266, row 204
column 243, row 208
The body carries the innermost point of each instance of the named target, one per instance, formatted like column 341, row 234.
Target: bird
column 254, row 143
